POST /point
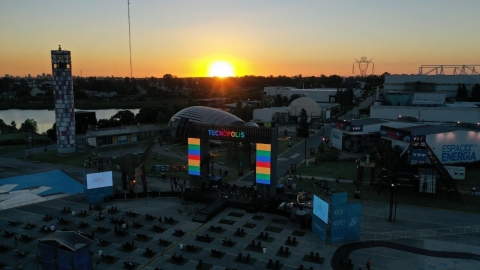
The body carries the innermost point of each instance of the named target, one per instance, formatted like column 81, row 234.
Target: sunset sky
column 267, row 37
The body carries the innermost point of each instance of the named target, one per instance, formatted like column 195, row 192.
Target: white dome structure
column 203, row 115
column 312, row 108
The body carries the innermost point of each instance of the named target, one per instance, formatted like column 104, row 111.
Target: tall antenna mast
column 129, row 41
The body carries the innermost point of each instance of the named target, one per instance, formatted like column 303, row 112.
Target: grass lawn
column 5, row 149
column 340, row 169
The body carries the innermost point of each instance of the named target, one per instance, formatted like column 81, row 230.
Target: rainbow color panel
column 264, row 153
column 194, row 156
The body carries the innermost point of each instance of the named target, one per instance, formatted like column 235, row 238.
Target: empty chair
column 287, row 251
column 239, row 257
column 301, row 267
column 289, row 240
column 266, row 235
column 281, row 250
column 294, row 240
column 270, row 263
column 247, row 258
column 277, row 264
column 259, row 245
column 317, row 257
column 312, row 256
column 261, row 235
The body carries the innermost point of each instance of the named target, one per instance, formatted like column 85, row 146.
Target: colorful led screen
column 263, row 163
column 194, row 156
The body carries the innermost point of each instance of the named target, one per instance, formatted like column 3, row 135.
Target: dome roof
column 306, row 103
column 204, row 115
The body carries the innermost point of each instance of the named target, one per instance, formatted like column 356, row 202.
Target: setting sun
column 220, row 69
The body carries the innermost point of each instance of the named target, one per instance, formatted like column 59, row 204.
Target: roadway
column 298, row 153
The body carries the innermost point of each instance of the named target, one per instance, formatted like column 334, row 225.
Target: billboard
column 194, row 156
column 337, row 137
column 320, row 208
column 98, row 180
column 262, row 166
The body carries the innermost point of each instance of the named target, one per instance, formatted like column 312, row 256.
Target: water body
column 45, row 118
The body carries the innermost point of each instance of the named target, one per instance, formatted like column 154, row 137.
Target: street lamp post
column 306, row 162
column 323, row 123
column 358, row 174
column 392, row 215
column 26, row 138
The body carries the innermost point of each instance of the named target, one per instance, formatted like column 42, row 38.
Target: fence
column 372, row 236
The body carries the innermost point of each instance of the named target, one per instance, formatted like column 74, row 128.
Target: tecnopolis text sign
column 230, row 133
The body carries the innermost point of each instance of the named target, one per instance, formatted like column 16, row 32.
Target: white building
column 447, row 84
column 317, row 94
column 273, row 114
column 450, row 144
column 455, row 112
column 315, row 112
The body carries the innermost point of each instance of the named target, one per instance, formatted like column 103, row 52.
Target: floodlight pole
column 306, row 162
column 323, row 125
column 358, row 174
column 392, row 216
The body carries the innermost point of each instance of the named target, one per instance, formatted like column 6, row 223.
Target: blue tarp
column 57, row 181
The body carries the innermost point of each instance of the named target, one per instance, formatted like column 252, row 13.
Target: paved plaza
column 424, row 232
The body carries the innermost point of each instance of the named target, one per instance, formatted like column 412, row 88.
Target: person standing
column 369, row 264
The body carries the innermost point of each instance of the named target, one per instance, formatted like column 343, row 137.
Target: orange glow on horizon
column 221, row 69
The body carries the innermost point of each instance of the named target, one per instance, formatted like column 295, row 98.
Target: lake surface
column 45, row 118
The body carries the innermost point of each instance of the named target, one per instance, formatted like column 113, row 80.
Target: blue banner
column 419, row 154
column 319, row 228
column 338, row 224
column 337, row 236
column 353, row 223
column 351, row 235
column 339, row 198
column 354, row 210
column 338, row 212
